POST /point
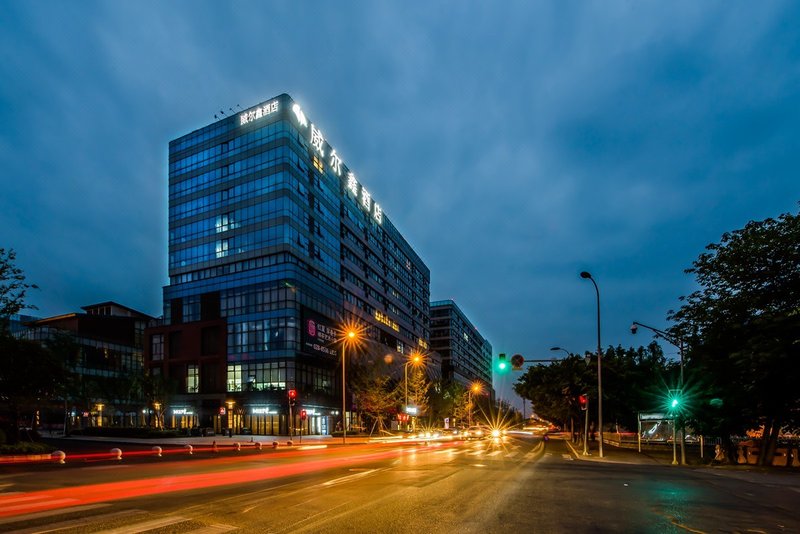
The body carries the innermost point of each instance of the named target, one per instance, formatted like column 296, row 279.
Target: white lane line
column 494, row 453
column 212, row 529
column 511, row 454
column 147, row 525
column 76, row 523
column 348, row 478
column 48, row 513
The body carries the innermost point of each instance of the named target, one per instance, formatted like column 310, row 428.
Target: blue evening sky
column 514, row 144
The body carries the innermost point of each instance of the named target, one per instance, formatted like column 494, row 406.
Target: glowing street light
column 476, row 388
column 415, row 359
column 587, row 276
column 350, row 336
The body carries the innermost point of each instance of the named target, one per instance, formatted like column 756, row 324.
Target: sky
column 513, row 144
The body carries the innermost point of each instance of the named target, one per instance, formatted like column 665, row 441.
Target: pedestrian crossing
column 505, row 452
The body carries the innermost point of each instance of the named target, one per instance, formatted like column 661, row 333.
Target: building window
column 317, row 163
column 157, row 347
column 234, row 378
column 192, row 379
column 222, row 248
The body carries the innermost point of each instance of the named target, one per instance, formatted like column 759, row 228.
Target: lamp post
column 415, row 359
column 559, row 348
column 677, row 342
column 474, row 388
column 350, row 337
column 587, row 275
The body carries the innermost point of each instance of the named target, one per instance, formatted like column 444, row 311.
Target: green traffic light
column 501, row 362
column 674, row 399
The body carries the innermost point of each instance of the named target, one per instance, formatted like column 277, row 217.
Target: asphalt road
column 523, row 485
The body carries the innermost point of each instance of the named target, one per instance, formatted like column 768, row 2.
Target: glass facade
column 466, row 355
column 271, row 232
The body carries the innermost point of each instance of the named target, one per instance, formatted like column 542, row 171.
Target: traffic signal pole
column 586, row 430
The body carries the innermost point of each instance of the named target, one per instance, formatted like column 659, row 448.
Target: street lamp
column 476, row 387
column 587, row 275
column 677, row 342
column 559, row 348
column 415, row 359
column 350, row 336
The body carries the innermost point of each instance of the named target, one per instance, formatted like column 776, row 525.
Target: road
column 522, row 485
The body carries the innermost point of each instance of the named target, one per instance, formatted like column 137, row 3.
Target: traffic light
column 584, row 401
column 502, row 364
column 674, row 402
column 292, row 393
column 303, row 415
column 517, row 361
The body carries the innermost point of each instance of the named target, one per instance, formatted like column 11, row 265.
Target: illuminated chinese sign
column 317, row 140
column 318, row 337
column 258, row 112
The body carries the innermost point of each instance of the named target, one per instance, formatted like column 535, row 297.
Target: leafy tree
column 743, row 327
column 418, row 388
column 447, row 399
column 373, row 387
column 12, row 288
column 634, row 380
column 30, row 376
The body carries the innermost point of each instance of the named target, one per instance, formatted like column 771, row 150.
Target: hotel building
column 274, row 242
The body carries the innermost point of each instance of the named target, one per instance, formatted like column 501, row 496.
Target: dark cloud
column 513, row 145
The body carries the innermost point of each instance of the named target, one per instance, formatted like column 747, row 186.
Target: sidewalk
column 221, row 440
column 773, row 476
column 612, row 454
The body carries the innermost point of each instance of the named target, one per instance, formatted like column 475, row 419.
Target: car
column 245, row 431
column 476, row 432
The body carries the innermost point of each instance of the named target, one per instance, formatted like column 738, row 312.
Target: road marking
column 211, row 529
column 75, row 523
column 348, row 478
column 511, row 454
column 567, row 457
column 494, row 453
column 147, row 525
column 49, row 513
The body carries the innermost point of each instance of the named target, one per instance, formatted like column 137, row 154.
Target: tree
column 12, row 288
column 634, row 380
column 372, row 386
column 743, row 326
column 30, row 376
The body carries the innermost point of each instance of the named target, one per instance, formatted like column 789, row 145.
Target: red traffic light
column 292, row 393
column 303, row 415
column 584, row 400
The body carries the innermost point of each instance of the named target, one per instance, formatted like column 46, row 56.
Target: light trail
column 43, row 500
